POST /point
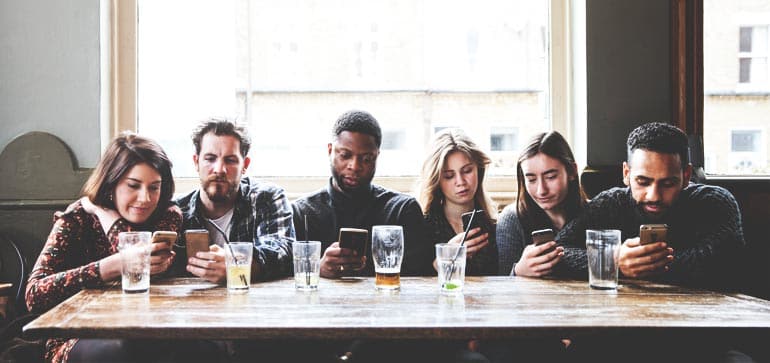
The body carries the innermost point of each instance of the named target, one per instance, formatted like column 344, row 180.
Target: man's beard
column 656, row 217
column 219, row 193
column 340, row 180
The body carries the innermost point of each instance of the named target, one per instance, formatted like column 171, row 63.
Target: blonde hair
column 444, row 143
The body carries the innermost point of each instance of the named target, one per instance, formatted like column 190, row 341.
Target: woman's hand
column 474, row 244
column 161, row 258
column 110, row 267
column 535, row 262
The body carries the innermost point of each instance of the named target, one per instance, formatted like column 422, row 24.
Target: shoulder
column 392, row 197
column 73, row 215
column 256, row 190
column 616, row 195
column 185, row 202
column 508, row 214
column 508, row 220
column 708, row 194
column 313, row 203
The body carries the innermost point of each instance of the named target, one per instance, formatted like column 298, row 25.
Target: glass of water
column 603, row 249
column 135, row 248
column 307, row 264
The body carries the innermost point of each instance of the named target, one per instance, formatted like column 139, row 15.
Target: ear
column 246, row 162
column 195, row 161
column 626, row 174
column 686, row 175
column 329, row 149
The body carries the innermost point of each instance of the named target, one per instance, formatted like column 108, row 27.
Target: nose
column 459, row 179
column 542, row 187
column 218, row 167
column 355, row 163
column 143, row 195
column 653, row 193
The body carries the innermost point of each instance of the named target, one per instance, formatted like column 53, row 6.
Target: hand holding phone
column 649, row 233
column 477, row 222
column 354, row 239
column 543, row 236
column 197, row 241
column 167, row 237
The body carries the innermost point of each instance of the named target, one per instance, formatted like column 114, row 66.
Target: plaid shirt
column 262, row 214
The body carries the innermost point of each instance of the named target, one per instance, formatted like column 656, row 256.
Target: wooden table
column 491, row 307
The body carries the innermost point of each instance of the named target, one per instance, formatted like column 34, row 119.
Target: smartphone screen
column 354, row 239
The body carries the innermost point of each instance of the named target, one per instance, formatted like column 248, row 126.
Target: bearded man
column 233, row 207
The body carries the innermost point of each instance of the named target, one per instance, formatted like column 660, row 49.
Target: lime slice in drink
column 450, row 286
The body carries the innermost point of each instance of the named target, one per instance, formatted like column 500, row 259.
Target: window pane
column 736, row 102
column 745, row 39
column 745, row 71
column 745, row 141
column 290, row 68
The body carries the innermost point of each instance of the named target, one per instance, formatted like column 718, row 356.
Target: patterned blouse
column 69, row 262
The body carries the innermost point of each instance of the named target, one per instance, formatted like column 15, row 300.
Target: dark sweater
column 328, row 210
column 704, row 229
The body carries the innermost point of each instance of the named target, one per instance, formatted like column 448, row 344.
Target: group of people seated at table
column 132, row 189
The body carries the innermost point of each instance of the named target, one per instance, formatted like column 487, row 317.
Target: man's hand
column 209, row 266
column 336, row 261
column 644, row 260
column 535, row 262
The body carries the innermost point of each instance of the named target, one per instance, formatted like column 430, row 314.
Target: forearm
column 47, row 288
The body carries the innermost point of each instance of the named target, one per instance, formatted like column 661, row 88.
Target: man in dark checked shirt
column 233, row 207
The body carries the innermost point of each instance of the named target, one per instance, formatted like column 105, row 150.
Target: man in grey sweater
column 705, row 236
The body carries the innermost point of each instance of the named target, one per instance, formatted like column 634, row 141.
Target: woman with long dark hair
column 549, row 196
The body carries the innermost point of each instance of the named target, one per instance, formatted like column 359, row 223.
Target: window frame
column 122, row 88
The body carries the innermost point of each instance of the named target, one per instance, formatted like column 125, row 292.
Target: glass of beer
column 387, row 252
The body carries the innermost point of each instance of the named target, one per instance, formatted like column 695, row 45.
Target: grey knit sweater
column 704, row 231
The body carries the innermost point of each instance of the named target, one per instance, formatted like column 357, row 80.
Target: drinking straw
column 451, row 268
column 307, row 256
column 243, row 278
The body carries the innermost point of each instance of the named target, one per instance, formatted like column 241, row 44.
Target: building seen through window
column 288, row 69
column 736, row 114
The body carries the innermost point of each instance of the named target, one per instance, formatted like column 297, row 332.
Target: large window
column 736, row 104
column 289, row 68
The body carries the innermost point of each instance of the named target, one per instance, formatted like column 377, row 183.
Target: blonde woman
column 452, row 184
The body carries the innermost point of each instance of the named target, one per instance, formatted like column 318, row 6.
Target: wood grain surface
column 490, row 307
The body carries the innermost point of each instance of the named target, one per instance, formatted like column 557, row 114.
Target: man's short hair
column 222, row 127
column 659, row 137
column 358, row 121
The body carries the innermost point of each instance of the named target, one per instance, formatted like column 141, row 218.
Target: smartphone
column 167, row 237
column 197, row 241
column 354, row 239
column 542, row 236
column 477, row 221
column 649, row 233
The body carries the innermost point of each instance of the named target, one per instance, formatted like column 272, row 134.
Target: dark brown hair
column 222, row 127
column 122, row 154
column 552, row 144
